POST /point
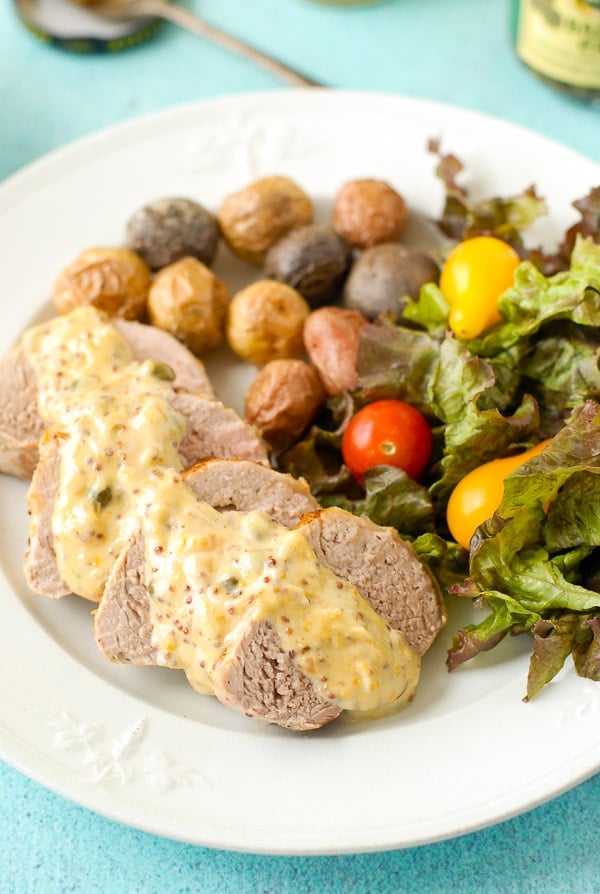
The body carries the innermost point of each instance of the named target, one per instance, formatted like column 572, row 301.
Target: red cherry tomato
column 387, row 432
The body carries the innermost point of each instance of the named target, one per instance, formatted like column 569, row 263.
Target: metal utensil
column 126, row 10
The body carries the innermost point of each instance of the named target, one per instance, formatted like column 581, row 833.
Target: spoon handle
column 181, row 16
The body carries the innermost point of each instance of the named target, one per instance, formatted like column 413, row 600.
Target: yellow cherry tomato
column 475, row 274
column 478, row 495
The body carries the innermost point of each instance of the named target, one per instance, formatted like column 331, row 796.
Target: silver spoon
column 126, row 10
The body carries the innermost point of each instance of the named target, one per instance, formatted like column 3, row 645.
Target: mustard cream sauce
column 207, row 573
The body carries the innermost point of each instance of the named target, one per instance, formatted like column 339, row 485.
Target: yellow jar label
column 561, row 39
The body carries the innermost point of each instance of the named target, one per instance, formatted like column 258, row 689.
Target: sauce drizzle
column 208, row 574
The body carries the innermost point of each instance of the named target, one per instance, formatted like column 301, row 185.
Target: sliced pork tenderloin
column 151, row 343
column 123, row 632
column 41, row 570
column 242, row 485
column 260, row 679
column 212, row 430
column 215, row 430
column 20, row 422
column 123, row 624
column 384, row 568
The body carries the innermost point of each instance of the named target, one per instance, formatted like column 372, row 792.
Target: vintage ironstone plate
column 137, row 744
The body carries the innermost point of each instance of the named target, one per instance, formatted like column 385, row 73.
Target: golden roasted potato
column 115, row 280
column 265, row 322
column 190, row 302
column 253, row 219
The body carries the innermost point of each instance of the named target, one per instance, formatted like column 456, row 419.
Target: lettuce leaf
column 586, row 647
column 561, row 372
column 317, row 460
column 528, row 562
column 463, row 218
column 465, row 395
column 506, row 615
column 430, row 310
column 589, row 225
column 390, row 498
column 507, row 218
column 554, row 640
column 446, row 559
column 395, row 362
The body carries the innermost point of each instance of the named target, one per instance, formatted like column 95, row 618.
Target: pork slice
column 242, row 485
column 215, row 430
column 212, row 430
column 224, row 483
column 259, row 679
column 384, row 568
column 150, row 343
column 20, row 423
column 41, row 569
column 123, row 626
column 256, row 677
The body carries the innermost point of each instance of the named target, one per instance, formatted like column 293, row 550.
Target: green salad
column 534, row 566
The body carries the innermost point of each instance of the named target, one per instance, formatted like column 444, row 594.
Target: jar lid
column 71, row 26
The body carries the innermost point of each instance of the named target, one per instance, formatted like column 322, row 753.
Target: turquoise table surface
column 457, row 52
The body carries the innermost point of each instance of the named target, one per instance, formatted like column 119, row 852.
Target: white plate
column 137, row 744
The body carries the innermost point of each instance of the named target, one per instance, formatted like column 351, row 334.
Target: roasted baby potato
column 253, row 219
column 282, row 401
column 265, row 322
column 115, row 280
column 190, row 302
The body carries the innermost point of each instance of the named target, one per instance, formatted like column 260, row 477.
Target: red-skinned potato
column 283, row 399
column 367, row 212
column 331, row 339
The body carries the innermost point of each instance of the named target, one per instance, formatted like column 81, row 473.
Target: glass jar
column 560, row 41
